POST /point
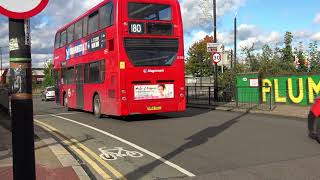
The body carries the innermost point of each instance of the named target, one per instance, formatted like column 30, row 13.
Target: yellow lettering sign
column 266, row 88
column 296, row 99
column 278, row 98
column 313, row 89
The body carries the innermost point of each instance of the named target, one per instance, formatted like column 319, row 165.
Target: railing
column 240, row 97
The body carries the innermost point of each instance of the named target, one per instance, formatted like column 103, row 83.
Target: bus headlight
column 181, row 95
column 123, row 98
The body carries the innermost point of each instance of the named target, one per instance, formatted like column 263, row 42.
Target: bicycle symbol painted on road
column 117, row 152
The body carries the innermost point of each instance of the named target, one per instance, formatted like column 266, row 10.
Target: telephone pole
column 21, row 100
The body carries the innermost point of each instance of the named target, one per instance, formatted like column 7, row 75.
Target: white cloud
column 317, row 19
column 197, row 14
column 315, row 36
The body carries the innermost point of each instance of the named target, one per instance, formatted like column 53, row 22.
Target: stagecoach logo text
column 153, row 70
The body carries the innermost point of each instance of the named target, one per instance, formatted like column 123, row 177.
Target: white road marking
column 43, row 115
column 182, row 170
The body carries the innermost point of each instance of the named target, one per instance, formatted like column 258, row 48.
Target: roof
column 38, row 72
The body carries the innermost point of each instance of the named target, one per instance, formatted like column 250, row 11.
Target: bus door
column 79, row 86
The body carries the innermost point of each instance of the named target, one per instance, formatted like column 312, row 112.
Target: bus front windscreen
column 151, row 52
column 145, row 11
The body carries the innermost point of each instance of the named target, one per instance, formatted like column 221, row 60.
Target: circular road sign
column 22, row 9
column 216, row 57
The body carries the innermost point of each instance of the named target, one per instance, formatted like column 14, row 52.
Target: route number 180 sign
column 22, row 9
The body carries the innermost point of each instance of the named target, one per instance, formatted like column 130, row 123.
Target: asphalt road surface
column 198, row 144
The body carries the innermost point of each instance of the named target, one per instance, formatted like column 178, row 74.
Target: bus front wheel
column 97, row 107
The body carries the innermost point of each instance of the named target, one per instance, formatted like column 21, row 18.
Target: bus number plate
column 136, row 28
column 154, row 108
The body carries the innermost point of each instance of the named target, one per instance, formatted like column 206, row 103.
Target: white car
column 48, row 94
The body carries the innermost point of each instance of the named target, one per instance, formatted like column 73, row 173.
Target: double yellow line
column 79, row 148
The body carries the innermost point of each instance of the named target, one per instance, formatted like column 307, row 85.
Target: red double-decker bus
column 122, row 57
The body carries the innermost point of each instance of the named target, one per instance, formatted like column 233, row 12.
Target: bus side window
column 94, row 72
column 63, row 40
column 57, row 41
column 78, row 30
column 70, row 33
column 106, row 17
column 102, row 71
column 85, row 26
column 70, row 75
column 93, row 23
column 86, row 73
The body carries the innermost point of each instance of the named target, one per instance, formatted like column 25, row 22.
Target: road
column 199, row 144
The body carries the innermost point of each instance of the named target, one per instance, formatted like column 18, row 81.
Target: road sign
column 215, row 47
column 20, row 9
column 216, row 57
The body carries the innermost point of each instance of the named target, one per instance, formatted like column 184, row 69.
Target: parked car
column 48, row 94
column 314, row 121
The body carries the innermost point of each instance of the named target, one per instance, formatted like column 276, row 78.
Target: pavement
column 198, row 144
column 53, row 160
column 284, row 110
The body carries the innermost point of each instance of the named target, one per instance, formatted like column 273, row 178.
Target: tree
column 48, row 74
column 314, row 57
column 251, row 58
column 287, row 64
column 198, row 61
column 301, row 58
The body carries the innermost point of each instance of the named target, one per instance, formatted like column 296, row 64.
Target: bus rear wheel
column 96, row 106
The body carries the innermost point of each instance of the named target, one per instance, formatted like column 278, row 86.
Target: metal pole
column 215, row 41
column 1, row 60
column 21, row 100
column 235, row 58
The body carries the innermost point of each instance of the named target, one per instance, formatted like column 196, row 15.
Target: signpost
column 216, row 49
column 18, row 12
column 216, row 57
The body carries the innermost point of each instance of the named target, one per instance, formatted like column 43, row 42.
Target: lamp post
column 235, row 56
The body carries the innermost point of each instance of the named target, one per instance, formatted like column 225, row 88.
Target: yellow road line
column 65, row 140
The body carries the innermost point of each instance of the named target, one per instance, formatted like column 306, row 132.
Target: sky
column 259, row 22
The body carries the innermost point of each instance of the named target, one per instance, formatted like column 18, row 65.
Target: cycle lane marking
column 178, row 168
column 110, row 155
column 73, row 143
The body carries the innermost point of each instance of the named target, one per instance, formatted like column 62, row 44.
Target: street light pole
column 235, row 57
column 21, row 100
column 215, row 41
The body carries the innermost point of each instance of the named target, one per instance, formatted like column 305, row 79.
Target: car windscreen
column 50, row 89
column 147, row 11
column 151, row 52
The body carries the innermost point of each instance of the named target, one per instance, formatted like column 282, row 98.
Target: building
column 37, row 75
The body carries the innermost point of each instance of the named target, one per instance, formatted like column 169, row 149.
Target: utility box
column 249, row 88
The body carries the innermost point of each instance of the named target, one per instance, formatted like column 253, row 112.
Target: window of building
column 63, row 40
column 106, row 15
column 70, row 33
column 93, row 23
column 57, row 41
column 78, row 30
